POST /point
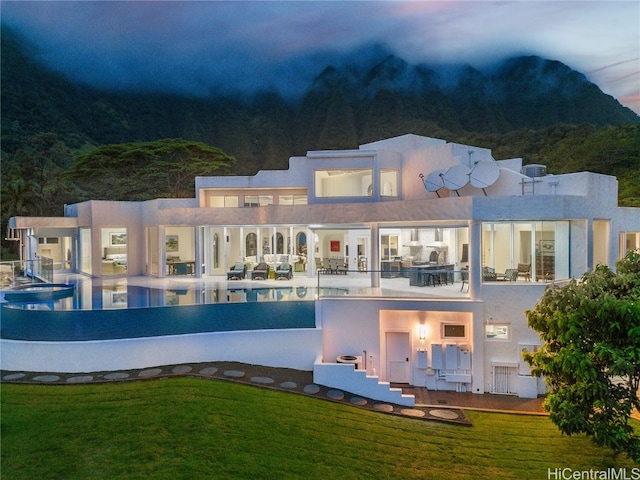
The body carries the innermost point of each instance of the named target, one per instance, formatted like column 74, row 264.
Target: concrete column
column 311, row 253
column 198, row 257
column 374, row 264
column 475, row 260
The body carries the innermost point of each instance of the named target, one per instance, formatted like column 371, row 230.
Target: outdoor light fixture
column 422, row 331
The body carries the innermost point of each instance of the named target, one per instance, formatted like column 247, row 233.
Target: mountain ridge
column 345, row 105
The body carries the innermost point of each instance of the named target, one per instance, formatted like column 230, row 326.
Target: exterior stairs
column 345, row 377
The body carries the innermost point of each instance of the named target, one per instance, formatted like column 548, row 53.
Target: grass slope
column 194, row 428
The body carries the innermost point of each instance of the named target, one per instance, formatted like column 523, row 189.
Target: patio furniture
column 182, row 268
column 510, row 274
column 524, row 270
column 489, row 274
column 261, row 272
column 237, row 272
column 284, row 271
column 464, row 274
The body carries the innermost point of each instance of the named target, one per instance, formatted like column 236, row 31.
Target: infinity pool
column 113, row 297
column 126, row 311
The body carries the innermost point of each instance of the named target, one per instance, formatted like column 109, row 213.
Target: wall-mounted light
column 422, row 331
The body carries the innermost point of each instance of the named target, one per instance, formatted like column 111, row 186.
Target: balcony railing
column 411, row 282
column 26, row 271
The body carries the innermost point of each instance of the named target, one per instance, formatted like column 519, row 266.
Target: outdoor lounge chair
column 284, row 271
column 237, row 272
column 261, row 272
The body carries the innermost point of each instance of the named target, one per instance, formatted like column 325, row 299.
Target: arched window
column 279, row 247
column 251, row 245
column 301, row 243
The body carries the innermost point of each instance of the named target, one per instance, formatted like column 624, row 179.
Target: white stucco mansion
column 473, row 242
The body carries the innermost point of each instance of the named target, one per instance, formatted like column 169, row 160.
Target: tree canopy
column 591, row 354
column 147, row 170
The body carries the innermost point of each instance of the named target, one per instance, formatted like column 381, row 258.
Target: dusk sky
column 188, row 47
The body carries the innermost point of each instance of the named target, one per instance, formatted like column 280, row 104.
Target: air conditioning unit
column 534, row 170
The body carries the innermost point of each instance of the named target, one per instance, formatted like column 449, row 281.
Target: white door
column 398, row 355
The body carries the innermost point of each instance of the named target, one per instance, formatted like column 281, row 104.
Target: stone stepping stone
column 358, row 401
column 412, row 412
column 289, row 385
column 151, row 372
column 116, row 376
column 383, row 407
column 80, row 379
column 234, row 373
column 311, row 389
column 182, row 369
column 335, row 394
column 208, row 371
column 46, row 378
column 262, row 380
column 13, row 376
column 446, row 414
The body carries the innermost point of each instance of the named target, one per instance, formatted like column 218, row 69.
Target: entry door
column 398, row 355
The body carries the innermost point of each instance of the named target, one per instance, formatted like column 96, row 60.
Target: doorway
column 398, row 347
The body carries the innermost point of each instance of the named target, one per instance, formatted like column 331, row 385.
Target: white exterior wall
column 355, row 325
column 507, row 306
column 296, row 348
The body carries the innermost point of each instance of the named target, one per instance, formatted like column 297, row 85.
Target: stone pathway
column 265, row 377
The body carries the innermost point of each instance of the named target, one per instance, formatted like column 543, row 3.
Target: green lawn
column 188, row 428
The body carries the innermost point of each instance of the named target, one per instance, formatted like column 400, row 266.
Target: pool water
column 83, row 325
column 132, row 296
column 136, row 312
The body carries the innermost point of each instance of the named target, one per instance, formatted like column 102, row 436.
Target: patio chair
column 237, row 272
column 261, row 272
column 511, row 274
column 464, row 274
column 182, row 269
column 489, row 274
column 331, row 266
column 284, row 271
column 524, row 270
column 340, row 268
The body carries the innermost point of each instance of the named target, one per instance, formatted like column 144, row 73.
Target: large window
column 292, row 200
column 223, row 201
column 628, row 241
column 539, row 251
column 258, row 200
column 85, row 250
column 388, row 183
column 601, row 242
column 344, row 183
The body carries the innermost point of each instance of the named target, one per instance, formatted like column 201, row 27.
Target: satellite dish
column 456, row 177
column 484, row 174
column 434, row 182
